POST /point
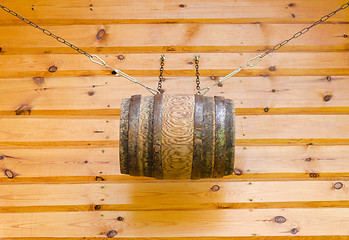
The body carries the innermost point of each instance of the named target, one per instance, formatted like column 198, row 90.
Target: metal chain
column 47, row 32
column 161, row 77
column 250, row 63
column 197, row 74
column 253, row 61
column 94, row 58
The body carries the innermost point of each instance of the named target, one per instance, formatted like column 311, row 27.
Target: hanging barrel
column 177, row 137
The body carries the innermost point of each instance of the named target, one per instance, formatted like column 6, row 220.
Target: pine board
column 204, row 223
column 94, row 161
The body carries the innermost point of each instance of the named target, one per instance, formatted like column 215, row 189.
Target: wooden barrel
column 177, row 137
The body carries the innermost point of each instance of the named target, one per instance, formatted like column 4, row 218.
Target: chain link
column 94, row 58
column 161, row 77
column 253, row 61
column 197, row 74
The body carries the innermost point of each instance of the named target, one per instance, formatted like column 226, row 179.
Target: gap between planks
column 246, row 177
column 324, row 237
column 186, row 73
column 171, row 207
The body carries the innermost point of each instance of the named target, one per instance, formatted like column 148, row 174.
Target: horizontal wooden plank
column 171, row 36
column 31, row 129
column 172, row 49
column 47, row 129
column 163, row 9
column 115, row 143
column 174, row 61
column 173, row 195
column 60, row 162
column 104, row 94
column 238, row 222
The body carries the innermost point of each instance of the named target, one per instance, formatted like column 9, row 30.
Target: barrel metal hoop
column 197, row 141
column 158, row 171
column 220, row 142
column 133, row 135
column 208, row 138
column 230, row 141
column 123, row 145
column 146, row 136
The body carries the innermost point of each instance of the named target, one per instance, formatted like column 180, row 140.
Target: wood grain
column 65, row 162
column 31, row 129
column 239, row 222
column 164, row 10
column 171, row 36
column 170, row 195
column 177, row 131
column 18, row 129
column 299, row 94
column 176, row 63
column 59, row 133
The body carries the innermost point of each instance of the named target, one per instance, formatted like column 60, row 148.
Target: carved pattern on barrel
column 177, row 137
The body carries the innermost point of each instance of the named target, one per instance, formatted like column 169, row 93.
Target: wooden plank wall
column 60, row 113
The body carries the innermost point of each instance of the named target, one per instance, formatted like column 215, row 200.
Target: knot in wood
column 294, row 231
column 9, row 174
column 215, row 188
column 327, row 98
column 272, row 68
column 111, row 233
column 338, row 185
column 97, row 207
column 121, row 57
column 52, row 69
column 280, row 219
column 101, row 34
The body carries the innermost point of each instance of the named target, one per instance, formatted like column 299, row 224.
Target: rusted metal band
column 208, row 138
column 197, row 141
column 220, row 141
column 133, row 132
column 123, row 144
column 157, row 161
column 147, row 135
column 230, row 136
